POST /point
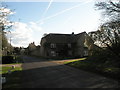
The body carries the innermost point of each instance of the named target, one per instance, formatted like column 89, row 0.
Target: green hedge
column 8, row 59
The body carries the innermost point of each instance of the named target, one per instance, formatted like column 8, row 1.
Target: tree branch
column 115, row 5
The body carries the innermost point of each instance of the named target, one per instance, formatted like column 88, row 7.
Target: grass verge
column 104, row 69
column 7, row 68
column 13, row 79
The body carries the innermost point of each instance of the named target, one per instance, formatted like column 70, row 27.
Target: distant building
column 32, row 49
column 64, row 45
column 32, row 46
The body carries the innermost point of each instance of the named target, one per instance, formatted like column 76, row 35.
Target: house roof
column 62, row 38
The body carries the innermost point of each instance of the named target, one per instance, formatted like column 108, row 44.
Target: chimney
column 72, row 33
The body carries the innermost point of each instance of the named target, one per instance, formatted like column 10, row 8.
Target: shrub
column 8, row 59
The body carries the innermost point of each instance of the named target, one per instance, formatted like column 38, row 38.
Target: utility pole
column 10, row 41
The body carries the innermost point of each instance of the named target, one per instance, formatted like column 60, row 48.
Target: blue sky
column 33, row 19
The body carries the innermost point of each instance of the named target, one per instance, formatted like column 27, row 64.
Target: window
column 69, row 45
column 53, row 53
column 52, row 45
column 85, row 53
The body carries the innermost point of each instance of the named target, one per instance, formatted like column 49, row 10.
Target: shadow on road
column 61, row 76
column 40, row 73
column 51, row 75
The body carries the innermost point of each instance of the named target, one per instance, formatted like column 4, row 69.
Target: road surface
column 43, row 73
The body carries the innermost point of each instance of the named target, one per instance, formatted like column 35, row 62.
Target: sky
column 34, row 19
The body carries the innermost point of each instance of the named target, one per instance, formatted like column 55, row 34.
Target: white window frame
column 52, row 45
column 53, row 53
column 85, row 53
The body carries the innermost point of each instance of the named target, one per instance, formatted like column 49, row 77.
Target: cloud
column 35, row 26
column 23, row 33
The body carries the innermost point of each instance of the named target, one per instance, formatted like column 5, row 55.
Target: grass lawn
column 5, row 69
column 13, row 79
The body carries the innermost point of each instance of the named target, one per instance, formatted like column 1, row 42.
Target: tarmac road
column 43, row 73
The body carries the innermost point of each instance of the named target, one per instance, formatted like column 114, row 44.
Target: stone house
column 64, row 45
column 32, row 46
column 32, row 49
column 36, row 52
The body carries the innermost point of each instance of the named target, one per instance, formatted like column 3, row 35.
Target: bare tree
column 5, row 24
column 111, row 9
column 108, row 34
